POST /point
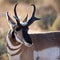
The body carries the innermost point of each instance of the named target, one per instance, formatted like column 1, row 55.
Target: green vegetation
column 3, row 51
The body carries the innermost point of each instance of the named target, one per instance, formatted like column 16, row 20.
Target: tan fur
column 40, row 42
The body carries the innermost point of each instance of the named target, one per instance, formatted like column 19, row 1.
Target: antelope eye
column 17, row 29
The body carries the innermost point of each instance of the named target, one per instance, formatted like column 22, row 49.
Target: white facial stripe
column 11, row 45
column 18, row 40
column 23, row 41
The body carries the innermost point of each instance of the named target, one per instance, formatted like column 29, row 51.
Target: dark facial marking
column 13, row 36
column 26, row 35
column 19, row 27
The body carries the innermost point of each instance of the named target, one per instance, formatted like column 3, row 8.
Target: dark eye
column 17, row 29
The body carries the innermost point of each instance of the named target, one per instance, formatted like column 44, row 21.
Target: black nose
column 26, row 35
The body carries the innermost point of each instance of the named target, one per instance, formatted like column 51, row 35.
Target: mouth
column 22, row 41
column 27, row 44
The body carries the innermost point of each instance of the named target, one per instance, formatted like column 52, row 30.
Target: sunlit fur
column 43, row 43
column 45, row 46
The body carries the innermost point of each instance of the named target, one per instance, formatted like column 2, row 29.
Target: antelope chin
column 27, row 44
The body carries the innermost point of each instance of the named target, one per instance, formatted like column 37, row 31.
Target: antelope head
column 20, row 30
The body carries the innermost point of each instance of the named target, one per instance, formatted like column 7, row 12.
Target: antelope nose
column 28, row 44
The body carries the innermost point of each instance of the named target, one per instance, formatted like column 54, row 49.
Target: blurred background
column 49, row 10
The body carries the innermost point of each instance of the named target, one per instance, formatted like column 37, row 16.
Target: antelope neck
column 12, row 38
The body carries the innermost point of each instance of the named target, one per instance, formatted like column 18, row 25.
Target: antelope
column 37, row 46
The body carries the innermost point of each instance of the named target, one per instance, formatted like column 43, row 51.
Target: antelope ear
column 24, row 23
column 11, row 22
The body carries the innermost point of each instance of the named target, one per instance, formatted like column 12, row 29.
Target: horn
column 16, row 17
column 25, row 20
column 33, row 18
column 10, row 20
